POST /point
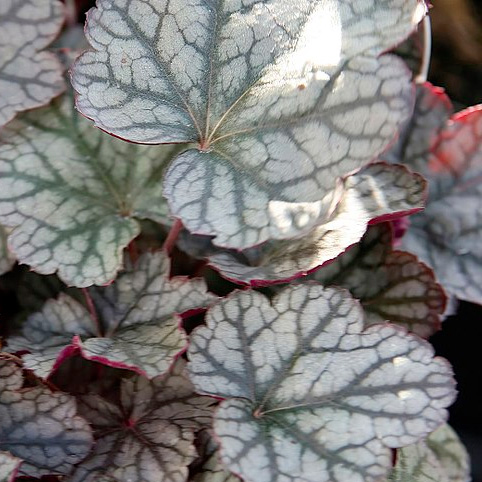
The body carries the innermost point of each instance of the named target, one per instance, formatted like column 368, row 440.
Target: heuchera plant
column 234, row 275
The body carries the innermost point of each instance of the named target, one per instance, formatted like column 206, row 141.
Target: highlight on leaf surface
column 439, row 458
column 133, row 324
column 38, row 427
column 28, row 77
column 448, row 234
column 148, row 436
column 74, row 195
column 376, row 191
column 391, row 285
column 309, row 394
column 7, row 259
column 281, row 99
column 9, row 466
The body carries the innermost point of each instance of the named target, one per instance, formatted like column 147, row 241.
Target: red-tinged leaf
column 28, row 77
column 9, row 466
column 39, row 427
column 134, row 324
column 148, row 436
column 447, row 235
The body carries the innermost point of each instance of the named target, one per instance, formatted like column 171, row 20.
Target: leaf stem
column 133, row 251
column 92, row 310
column 172, row 236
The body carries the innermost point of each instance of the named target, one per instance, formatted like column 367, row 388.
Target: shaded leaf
column 7, row 259
column 40, row 427
column 136, row 324
column 376, row 191
column 391, row 285
column 439, row 458
column 91, row 188
column 28, row 77
column 148, row 436
column 309, row 395
column 276, row 118
column 448, row 234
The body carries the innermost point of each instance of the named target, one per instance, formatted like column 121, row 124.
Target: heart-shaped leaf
column 377, row 191
column 391, row 285
column 136, row 324
column 7, row 259
column 28, row 78
column 282, row 98
column 148, row 436
column 311, row 395
column 448, row 234
column 90, row 187
column 39, row 427
column 439, row 458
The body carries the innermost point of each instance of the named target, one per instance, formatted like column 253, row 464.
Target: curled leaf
column 309, row 394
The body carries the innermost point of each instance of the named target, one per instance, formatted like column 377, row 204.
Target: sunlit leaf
column 28, row 78
column 376, row 191
column 135, row 324
column 73, row 194
column 281, row 98
column 309, row 394
column 39, row 427
column 448, row 234
column 439, row 458
column 391, row 285
column 7, row 259
column 148, row 436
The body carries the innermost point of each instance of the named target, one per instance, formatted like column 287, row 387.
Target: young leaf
column 379, row 190
column 310, row 395
column 9, row 466
column 148, row 436
column 281, row 98
column 90, row 187
column 136, row 324
column 7, row 259
column 391, row 285
column 28, row 78
column 39, row 427
column 439, row 458
column 448, row 234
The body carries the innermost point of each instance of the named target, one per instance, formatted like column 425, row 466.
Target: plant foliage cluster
column 234, row 276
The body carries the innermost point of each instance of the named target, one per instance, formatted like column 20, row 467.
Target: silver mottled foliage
column 375, row 191
column 309, row 394
column 39, row 427
column 28, row 78
column 72, row 193
column 148, row 436
column 7, row 259
column 281, row 98
column 9, row 466
column 135, row 326
column 448, row 234
column 391, row 285
column 439, row 458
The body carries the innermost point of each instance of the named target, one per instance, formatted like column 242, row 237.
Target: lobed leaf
column 376, row 191
column 28, row 77
column 448, row 234
column 391, row 285
column 135, row 324
column 39, row 427
column 91, row 188
column 7, row 259
column 309, row 394
column 148, row 436
column 439, row 458
column 281, row 100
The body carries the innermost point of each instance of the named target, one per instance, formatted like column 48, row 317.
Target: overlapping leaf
column 9, row 466
column 72, row 193
column 448, row 234
column 134, row 325
column 39, row 427
column 7, row 259
column 309, row 394
column 391, row 285
column 282, row 98
column 28, row 77
column 148, row 436
column 439, row 458
column 376, row 191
